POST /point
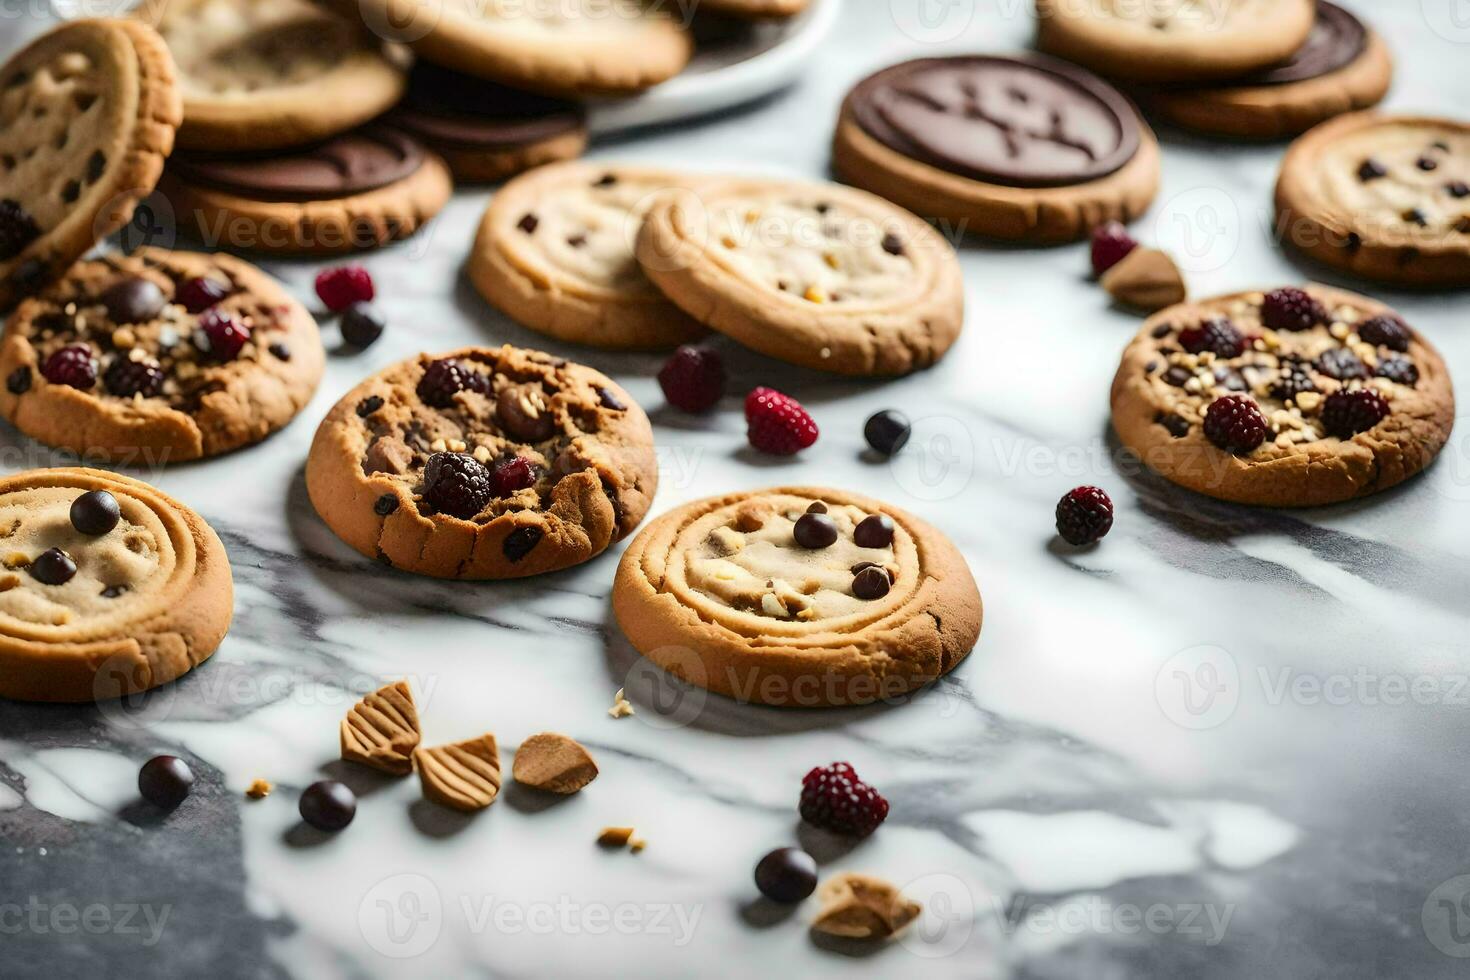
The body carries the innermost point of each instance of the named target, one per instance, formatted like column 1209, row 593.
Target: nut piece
column 1147, row 279
column 465, row 775
column 259, row 789
column 554, row 763
column 615, row 836
column 862, row 907
column 382, row 730
column 524, row 413
column 622, row 707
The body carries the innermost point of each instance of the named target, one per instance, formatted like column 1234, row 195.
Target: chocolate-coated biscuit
column 354, row 191
column 117, row 360
column 738, row 595
column 483, row 463
column 110, row 610
column 1027, row 149
column 1187, row 357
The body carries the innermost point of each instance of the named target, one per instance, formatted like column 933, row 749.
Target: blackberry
column 835, row 798
column 126, row 378
column 1399, row 370
column 456, row 484
column 72, row 365
column 1295, row 380
column 1218, row 336
column 1342, row 364
column 693, row 379
column 17, row 229
column 1290, row 308
column 1386, row 331
column 1235, row 424
column 1085, row 515
column 1346, row 413
column 199, row 294
column 444, row 379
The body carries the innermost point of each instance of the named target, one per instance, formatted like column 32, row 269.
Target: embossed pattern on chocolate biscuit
column 382, row 730
column 464, row 775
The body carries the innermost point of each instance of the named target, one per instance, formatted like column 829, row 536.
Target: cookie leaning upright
column 265, row 74
column 1025, row 149
column 483, row 463
column 97, row 602
column 87, row 115
column 1292, row 398
column 819, row 275
column 158, row 357
column 797, row 596
column 1381, row 196
column 1173, row 40
column 555, row 253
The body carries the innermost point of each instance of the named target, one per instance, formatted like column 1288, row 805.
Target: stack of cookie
column 814, row 274
column 1252, row 69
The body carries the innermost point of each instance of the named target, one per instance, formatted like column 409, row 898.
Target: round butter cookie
column 112, row 594
column 798, row 596
column 819, row 275
column 1292, row 398
column 483, row 463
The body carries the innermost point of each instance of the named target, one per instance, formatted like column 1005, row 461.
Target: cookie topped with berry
column 483, row 463
column 1294, row 397
column 158, row 357
column 797, row 596
column 87, row 115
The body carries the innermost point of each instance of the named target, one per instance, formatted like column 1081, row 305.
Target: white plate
column 764, row 58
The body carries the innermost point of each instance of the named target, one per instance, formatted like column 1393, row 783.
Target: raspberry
column 1342, row 364
column 1218, row 336
column 1290, row 308
column 1399, row 370
column 1085, row 515
column 1235, row 424
column 1294, row 380
column 17, row 229
column 1346, row 413
column 776, row 423
column 444, row 379
column 693, row 379
column 344, row 285
column 1111, row 244
column 835, row 798
column 456, row 484
column 220, row 335
column 1385, row 331
column 126, row 378
column 73, row 365
column 199, row 294
column 511, row 475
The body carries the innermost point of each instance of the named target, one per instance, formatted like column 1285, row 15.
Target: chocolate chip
column 786, row 875
column 1354, row 243
column 529, row 223
column 1162, row 330
column 1177, row 426
column 17, row 229
column 19, row 381
column 823, row 207
column 95, row 513
column 133, row 300
column 1458, row 189
column 577, row 241
column 165, row 781
column 386, row 504
column 362, row 325
column 96, row 163
column 1177, row 376
column 280, row 351
column 609, row 400
column 113, row 591
column 369, row 405
column 815, row 531
column 1427, row 164
column 524, row 414
column 874, row 532
column 606, row 180
column 1371, row 170
column 518, row 543
column 328, row 805
column 1414, row 216
column 53, row 567
column 887, row 431
column 892, row 244
column 862, row 565
column 871, row 583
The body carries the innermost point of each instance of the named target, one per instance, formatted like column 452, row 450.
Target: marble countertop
column 1228, row 742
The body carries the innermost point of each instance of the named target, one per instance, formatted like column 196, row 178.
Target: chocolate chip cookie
column 158, row 357
column 267, row 74
column 797, row 596
column 358, row 190
column 1343, row 67
column 483, row 463
column 1291, row 398
column 108, row 587
column 1382, row 197
column 555, row 253
column 1025, row 149
column 1173, row 40
column 87, row 115
column 819, row 275
column 486, row 131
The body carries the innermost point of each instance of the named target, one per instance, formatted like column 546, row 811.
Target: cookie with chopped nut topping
column 1290, row 398
column 158, row 357
column 483, row 463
